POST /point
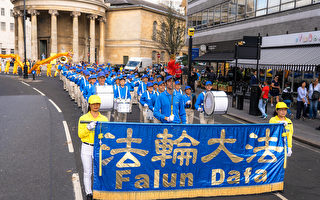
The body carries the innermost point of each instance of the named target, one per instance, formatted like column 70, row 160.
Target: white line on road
column 55, row 105
column 76, row 186
column 25, row 83
column 39, row 91
column 69, row 141
column 305, row 146
column 280, row 196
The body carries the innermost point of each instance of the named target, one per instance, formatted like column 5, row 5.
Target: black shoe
column 89, row 196
column 318, row 128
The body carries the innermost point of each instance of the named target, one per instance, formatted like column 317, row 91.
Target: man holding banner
column 169, row 107
column 86, row 134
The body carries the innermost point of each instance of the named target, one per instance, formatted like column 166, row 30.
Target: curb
column 298, row 138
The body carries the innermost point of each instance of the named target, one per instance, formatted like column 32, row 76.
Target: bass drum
column 106, row 95
column 215, row 102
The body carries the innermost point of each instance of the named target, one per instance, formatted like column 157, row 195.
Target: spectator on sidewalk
column 280, row 117
column 314, row 96
column 287, row 98
column 264, row 99
column 275, row 90
column 302, row 100
column 254, row 79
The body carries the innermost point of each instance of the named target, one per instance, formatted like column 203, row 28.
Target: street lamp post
column 25, row 67
column 190, row 33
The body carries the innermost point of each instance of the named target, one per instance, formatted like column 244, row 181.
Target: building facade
column 7, row 29
column 95, row 30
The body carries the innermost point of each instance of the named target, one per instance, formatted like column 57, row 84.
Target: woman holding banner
column 86, row 126
column 280, row 117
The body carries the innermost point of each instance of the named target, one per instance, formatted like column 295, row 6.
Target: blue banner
column 195, row 53
column 156, row 161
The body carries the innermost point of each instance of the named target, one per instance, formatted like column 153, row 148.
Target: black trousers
column 301, row 107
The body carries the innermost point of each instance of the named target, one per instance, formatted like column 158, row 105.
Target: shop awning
column 215, row 57
column 297, row 59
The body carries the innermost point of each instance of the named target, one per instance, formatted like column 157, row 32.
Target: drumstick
column 85, row 122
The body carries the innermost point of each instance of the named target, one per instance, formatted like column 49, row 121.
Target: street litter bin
column 240, row 99
column 254, row 100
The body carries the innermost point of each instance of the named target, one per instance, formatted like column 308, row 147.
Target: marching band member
column 102, row 82
column 116, row 85
column 123, row 94
column 156, row 94
column 88, row 91
column 280, row 117
column 178, row 87
column 86, row 134
column 162, row 86
column 169, row 107
column 141, row 89
column 84, row 82
column 146, row 102
column 189, row 101
column 199, row 106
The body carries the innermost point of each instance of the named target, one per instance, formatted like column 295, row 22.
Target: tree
column 171, row 36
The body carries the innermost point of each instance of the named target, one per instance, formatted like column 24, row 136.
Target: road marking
column 39, row 91
column 25, row 83
column 69, row 141
column 304, row 146
column 233, row 119
column 76, row 186
column 280, row 196
column 55, row 105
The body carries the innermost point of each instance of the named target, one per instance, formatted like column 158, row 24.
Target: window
column 273, row 6
column 204, row 18
column 2, row 12
column 224, row 13
column 261, row 7
column 217, row 15
column 194, row 20
column 189, row 20
column 241, row 11
column 300, row 3
column 11, row 13
column 232, row 11
column 162, row 56
column 12, row 51
column 287, row 4
column 199, row 19
column 11, row 27
column 251, row 5
column 210, row 17
column 3, row 51
column 154, row 56
column 154, row 30
column 3, row 26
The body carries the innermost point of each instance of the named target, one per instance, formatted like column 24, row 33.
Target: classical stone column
column 54, row 32
column 34, row 34
column 92, row 37
column 75, row 38
column 19, row 15
column 102, row 21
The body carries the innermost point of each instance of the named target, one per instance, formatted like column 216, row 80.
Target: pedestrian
column 204, row 119
column 189, row 102
column 275, row 90
column 169, row 107
column 280, row 117
column 254, row 79
column 302, row 100
column 314, row 97
column 287, row 98
column 263, row 101
column 86, row 134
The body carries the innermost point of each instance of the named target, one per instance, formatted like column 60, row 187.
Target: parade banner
column 161, row 161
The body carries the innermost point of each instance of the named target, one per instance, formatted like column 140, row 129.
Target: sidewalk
column 304, row 131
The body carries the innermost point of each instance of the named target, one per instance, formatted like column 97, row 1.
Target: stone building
column 96, row 30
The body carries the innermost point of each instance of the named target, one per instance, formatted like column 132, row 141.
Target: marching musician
column 86, row 134
column 146, row 102
column 204, row 119
column 102, row 82
column 141, row 89
column 189, row 101
column 178, row 87
column 169, row 107
column 122, row 93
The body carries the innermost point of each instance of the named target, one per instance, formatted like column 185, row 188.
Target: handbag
column 315, row 95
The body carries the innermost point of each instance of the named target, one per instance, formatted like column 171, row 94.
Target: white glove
column 171, row 118
column 285, row 123
column 145, row 105
column 91, row 125
column 200, row 109
column 289, row 152
column 188, row 102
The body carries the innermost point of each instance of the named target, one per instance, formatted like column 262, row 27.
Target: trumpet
column 64, row 59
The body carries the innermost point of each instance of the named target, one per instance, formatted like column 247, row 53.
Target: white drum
column 215, row 102
column 149, row 114
column 106, row 95
column 123, row 106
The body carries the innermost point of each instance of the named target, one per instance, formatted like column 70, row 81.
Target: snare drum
column 123, row 106
column 215, row 102
column 106, row 95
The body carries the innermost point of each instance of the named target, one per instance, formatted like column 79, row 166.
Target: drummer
column 122, row 93
column 169, row 107
column 141, row 89
column 189, row 101
column 146, row 102
column 204, row 119
column 102, row 82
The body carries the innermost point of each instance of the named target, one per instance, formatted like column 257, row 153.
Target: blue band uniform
column 147, row 161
